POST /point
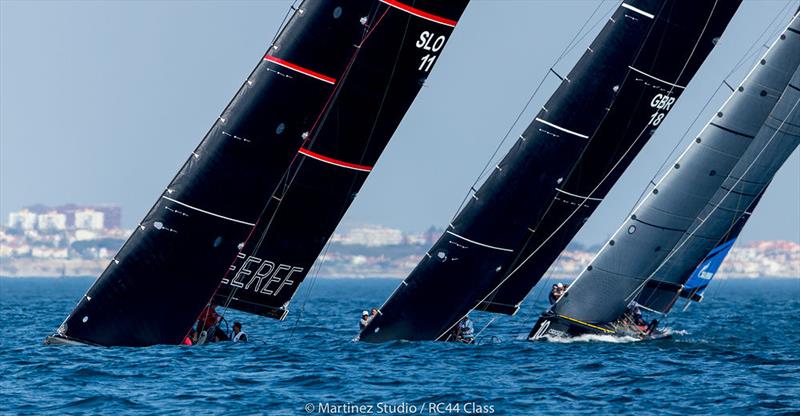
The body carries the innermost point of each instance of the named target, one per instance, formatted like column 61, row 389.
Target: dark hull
column 553, row 326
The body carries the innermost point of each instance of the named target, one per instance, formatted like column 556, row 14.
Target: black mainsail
column 554, row 176
column 695, row 205
column 394, row 61
column 158, row 283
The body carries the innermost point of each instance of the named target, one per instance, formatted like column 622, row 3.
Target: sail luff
column 393, row 63
column 159, row 281
column 628, row 77
column 650, row 236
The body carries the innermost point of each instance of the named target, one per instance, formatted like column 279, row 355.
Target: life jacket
column 187, row 341
column 238, row 336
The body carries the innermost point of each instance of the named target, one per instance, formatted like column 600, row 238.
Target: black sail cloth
column 157, row 284
column 762, row 110
column 597, row 120
column 738, row 194
column 393, row 63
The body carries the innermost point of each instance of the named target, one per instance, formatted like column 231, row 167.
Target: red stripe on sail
column 420, row 13
column 300, row 69
column 334, row 162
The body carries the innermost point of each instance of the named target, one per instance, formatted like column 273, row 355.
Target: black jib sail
column 554, row 176
column 393, row 63
column 156, row 286
column 695, row 204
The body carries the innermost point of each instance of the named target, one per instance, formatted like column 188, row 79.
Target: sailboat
column 319, row 186
column 535, row 200
column 674, row 241
column 320, row 71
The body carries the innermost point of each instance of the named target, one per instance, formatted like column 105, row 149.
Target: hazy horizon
column 102, row 103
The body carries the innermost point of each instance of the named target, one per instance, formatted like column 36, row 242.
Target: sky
column 101, row 102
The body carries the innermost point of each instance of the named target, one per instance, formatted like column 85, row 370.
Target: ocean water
column 736, row 353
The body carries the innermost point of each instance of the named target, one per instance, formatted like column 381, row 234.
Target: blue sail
column 705, row 271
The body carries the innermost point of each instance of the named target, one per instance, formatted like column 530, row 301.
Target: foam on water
column 722, row 349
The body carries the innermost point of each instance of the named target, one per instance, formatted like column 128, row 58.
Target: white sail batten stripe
column 208, row 212
column 638, row 10
column 656, row 78
column 578, row 196
column 480, row 244
column 583, row 136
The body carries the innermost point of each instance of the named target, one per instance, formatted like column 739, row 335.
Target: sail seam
column 207, row 212
column 637, row 10
column 733, row 131
column 480, row 244
column 419, row 13
column 578, row 196
column 657, row 78
column 662, row 227
column 300, row 69
column 583, row 136
column 335, row 162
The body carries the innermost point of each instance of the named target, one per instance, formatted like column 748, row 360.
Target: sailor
column 466, row 332
column 635, row 314
column 364, row 320
column 556, row 292
column 373, row 313
column 238, row 335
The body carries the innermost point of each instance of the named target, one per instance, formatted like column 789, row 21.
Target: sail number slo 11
column 429, row 41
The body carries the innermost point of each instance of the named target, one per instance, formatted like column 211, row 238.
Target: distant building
column 112, row 214
column 51, row 221
column 23, row 220
column 89, row 219
column 372, row 236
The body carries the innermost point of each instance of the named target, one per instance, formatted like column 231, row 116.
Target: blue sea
column 735, row 353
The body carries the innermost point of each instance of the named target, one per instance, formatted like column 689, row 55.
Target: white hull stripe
column 419, row 13
column 480, row 244
column 657, row 79
column 583, row 136
column 578, row 196
column 637, row 10
column 334, row 162
column 208, row 212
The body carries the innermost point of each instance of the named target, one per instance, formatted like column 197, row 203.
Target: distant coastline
column 762, row 259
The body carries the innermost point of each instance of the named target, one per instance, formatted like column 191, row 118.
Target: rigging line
column 191, row 156
column 484, row 327
column 732, row 222
column 666, row 174
column 493, row 292
column 325, row 109
column 727, row 193
column 310, row 288
column 750, row 51
column 521, row 113
column 369, row 139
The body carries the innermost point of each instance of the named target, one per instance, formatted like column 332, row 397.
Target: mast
column 715, row 229
column 405, row 41
column 693, row 206
column 554, row 176
column 157, row 284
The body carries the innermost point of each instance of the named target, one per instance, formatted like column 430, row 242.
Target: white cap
column 560, row 285
column 365, row 313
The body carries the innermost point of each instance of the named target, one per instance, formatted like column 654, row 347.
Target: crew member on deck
column 466, row 332
column 364, row 320
column 556, row 292
column 238, row 335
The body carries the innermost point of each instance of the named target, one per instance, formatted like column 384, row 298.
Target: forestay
column 155, row 287
column 554, row 176
column 698, row 201
column 404, row 42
